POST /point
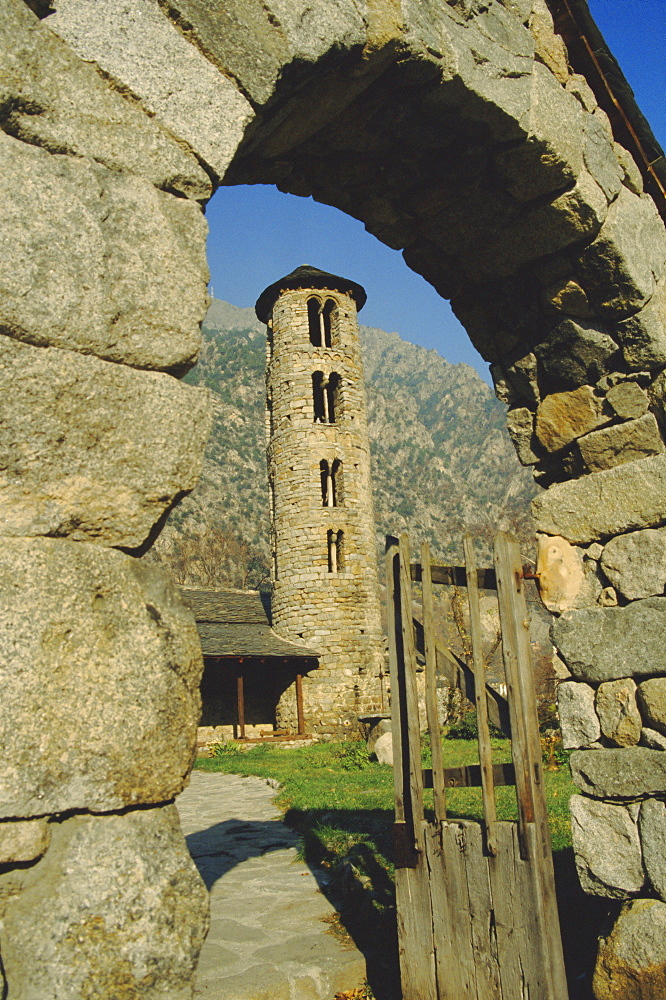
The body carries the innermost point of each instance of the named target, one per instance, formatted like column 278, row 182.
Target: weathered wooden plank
column 484, row 939
column 415, row 931
column 458, row 674
column 411, row 730
column 523, row 967
column 451, row 985
column 454, row 576
column 526, row 751
column 392, row 566
column 438, row 785
column 509, row 587
column 415, row 935
column 470, row 776
column 454, row 954
column 483, row 733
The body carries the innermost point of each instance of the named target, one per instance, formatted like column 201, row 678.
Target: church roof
column 307, row 276
column 233, row 623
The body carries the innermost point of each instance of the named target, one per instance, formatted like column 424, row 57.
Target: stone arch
column 459, row 134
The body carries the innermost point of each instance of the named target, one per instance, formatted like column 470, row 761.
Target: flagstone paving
column 271, row 934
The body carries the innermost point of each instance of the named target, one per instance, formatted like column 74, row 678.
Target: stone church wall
column 458, row 133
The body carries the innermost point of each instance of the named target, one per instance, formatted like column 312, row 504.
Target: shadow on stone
column 582, row 919
column 221, row 847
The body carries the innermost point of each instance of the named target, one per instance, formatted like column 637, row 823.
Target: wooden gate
column 477, row 914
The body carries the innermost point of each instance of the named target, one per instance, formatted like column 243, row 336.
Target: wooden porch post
column 299, row 704
column 240, row 703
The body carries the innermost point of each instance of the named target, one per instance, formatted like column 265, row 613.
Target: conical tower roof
column 307, row 276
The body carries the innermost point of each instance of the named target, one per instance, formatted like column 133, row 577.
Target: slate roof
column 234, row 623
column 308, row 276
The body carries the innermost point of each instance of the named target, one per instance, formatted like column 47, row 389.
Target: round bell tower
column 324, row 572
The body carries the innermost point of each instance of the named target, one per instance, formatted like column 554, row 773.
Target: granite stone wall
column 333, row 609
column 459, row 134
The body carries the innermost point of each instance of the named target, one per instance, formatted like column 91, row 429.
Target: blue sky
column 259, row 234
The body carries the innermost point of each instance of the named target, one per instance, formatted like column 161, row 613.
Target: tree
column 212, row 559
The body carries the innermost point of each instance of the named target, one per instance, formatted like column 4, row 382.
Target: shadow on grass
column 353, row 852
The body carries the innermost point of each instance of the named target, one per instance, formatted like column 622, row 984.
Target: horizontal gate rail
column 469, row 776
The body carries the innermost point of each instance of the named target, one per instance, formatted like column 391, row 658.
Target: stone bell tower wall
column 337, row 613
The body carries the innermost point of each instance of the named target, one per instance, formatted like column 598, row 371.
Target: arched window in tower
column 336, row 551
column 320, row 397
column 329, row 317
column 315, row 322
column 331, row 483
column 326, row 397
column 334, row 397
column 338, row 483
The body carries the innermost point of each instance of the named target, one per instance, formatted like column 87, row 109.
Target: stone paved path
column 268, row 938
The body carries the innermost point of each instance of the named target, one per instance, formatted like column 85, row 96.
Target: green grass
column 342, row 806
column 329, row 781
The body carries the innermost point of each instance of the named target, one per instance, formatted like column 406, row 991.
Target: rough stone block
column 93, row 450
column 517, row 382
column 252, row 42
column 548, row 228
column 99, row 262
column 115, row 908
column 578, row 719
column 574, row 354
column 628, row 400
column 600, row 157
column 603, row 644
column 632, row 177
column 383, row 749
column 652, row 739
column 627, row 773
column 569, row 298
column 631, row 962
column 100, row 666
column 51, row 98
column 520, row 425
column 636, row 563
column 618, row 713
column 551, row 158
column 607, row 848
column 622, row 499
column 620, row 443
column 23, row 840
column 549, row 46
column 564, row 416
column 643, row 335
column 652, row 826
column 486, row 61
column 652, row 702
column 171, row 77
column 566, row 579
column 621, row 267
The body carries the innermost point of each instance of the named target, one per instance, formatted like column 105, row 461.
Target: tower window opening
column 328, row 319
column 333, row 394
column 336, row 553
column 269, row 340
column 315, row 327
column 331, row 483
column 320, row 397
column 326, row 397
